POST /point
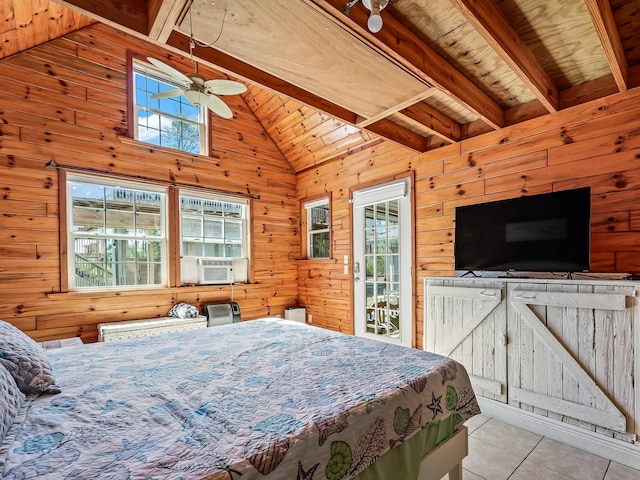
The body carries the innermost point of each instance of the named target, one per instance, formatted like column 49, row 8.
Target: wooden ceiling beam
column 487, row 18
column 605, row 24
column 588, row 91
column 437, row 122
column 388, row 129
column 131, row 16
column 430, row 91
column 164, row 15
column 403, row 46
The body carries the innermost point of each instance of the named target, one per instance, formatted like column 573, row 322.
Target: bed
column 267, row 398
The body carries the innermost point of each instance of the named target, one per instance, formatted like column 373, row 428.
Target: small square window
column 169, row 122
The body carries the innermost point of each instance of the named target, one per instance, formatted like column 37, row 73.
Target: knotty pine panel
column 48, row 121
column 18, row 119
column 628, row 261
column 449, row 206
column 101, row 123
column 430, row 210
column 26, row 323
column 625, row 139
column 14, row 220
column 440, row 222
column 520, row 147
column 11, row 102
column 606, row 164
column 101, row 38
column 9, row 131
column 595, row 144
column 434, row 250
column 622, row 199
column 608, row 182
column 52, row 64
column 610, row 222
column 512, row 165
column 24, row 252
column 22, row 80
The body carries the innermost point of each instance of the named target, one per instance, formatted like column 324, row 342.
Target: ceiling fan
column 198, row 90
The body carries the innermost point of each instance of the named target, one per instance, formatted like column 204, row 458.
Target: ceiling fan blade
column 169, row 70
column 210, row 101
column 225, row 87
column 195, row 97
column 218, row 107
column 174, row 92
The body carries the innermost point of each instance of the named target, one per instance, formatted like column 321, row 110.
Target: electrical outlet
column 310, row 318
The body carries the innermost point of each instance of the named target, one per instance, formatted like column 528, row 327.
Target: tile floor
column 498, row 451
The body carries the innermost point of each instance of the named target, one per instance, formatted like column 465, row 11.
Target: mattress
column 258, row 399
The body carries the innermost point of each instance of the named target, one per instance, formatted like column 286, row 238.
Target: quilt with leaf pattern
column 258, row 399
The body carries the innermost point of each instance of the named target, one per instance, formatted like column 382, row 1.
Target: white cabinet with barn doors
column 553, row 356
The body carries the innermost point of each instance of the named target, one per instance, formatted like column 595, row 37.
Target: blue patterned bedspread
column 258, row 399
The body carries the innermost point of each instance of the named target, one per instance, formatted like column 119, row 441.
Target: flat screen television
column 540, row 233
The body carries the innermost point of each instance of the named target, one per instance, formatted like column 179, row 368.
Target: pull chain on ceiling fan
column 197, row 89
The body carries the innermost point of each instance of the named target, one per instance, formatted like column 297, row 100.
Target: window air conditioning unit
column 213, row 270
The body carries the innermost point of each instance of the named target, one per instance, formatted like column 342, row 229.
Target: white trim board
column 618, row 451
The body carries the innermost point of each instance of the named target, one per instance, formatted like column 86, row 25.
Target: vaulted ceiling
column 438, row 72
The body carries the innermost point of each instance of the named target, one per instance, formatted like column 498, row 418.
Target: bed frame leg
column 446, row 458
column 456, row 472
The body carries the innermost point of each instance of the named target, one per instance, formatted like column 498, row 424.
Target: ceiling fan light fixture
column 375, row 20
column 200, row 92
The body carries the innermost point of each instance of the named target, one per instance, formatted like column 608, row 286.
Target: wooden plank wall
column 66, row 101
column 596, row 144
column 27, row 23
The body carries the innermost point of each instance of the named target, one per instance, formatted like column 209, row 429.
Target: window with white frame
column 116, row 234
column 318, row 229
column 170, row 122
column 213, row 226
column 119, row 230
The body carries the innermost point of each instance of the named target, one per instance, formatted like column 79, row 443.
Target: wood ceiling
column 438, row 72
